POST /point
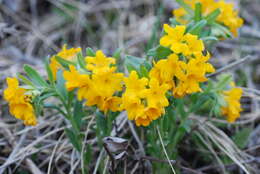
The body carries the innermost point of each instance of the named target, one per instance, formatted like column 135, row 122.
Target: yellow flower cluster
column 143, row 99
column 233, row 108
column 190, row 71
column 67, row 54
column 179, row 42
column 228, row 16
column 19, row 102
column 98, row 88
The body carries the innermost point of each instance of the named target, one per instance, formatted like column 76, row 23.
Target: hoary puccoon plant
column 159, row 93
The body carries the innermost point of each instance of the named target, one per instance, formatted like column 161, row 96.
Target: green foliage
column 90, row 52
column 74, row 139
column 159, row 52
column 35, row 77
column 241, row 137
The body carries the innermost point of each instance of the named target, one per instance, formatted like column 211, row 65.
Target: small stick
column 232, row 65
column 164, row 150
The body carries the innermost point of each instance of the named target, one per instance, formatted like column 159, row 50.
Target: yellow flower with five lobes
column 135, row 85
column 179, row 42
column 233, row 108
column 156, row 94
column 99, row 63
column 228, row 15
column 19, row 102
column 196, row 70
column 67, row 54
column 174, row 38
column 166, row 69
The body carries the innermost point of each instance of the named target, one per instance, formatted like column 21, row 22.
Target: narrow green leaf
column 159, row 52
column 209, row 38
column 74, row 139
column 25, row 80
column 221, row 29
column 117, row 53
column 60, row 86
column 197, row 16
column 224, row 81
column 81, row 61
column 144, row 72
column 101, row 123
column 78, row 113
column 64, row 63
column 196, row 29
column 90, row 52
column 49, row 72
column 241, row 137
column 213, row 16
column 88, row 154
column 134, row 62
column 34, row 76
column 185, row 6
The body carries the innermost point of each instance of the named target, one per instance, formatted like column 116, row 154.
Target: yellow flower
column 100, row 62
column 74, row 79
column 228, row 15
column 67, row 54
column 144, row 103
column 153, row 113
column 179, row 42
column 19, row 102
column 165, row 70
column 174, row 38
column 195, row 45
column 196, row 70
column 135, row 85
column 99, row 87
column 108, row 82
column 133, row 106
column 111, row 103
column 155, row 95
column 142, row 121
column 233, row 108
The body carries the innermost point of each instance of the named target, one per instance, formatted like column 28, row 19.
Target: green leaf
column 212, row 16
column 200, row 101
column 187, row 125
column 88, row 154
column 35, row 77
column 241, row 137
column 209, row 38
column 224, row 81
column 218, row 29
column 173, row 22
column 49, row 72
column 74, row 139
column 25, row 80
column 117, row 53
column 144, row 72
column 81, row 61
column 198, row 15
column 134, row 62
column 90, row 52
column 185, row 6
column 159, row 52
column 78, row 113
column 64, row 63
column 60, row 86
column 196, row 29
column 101, row 123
